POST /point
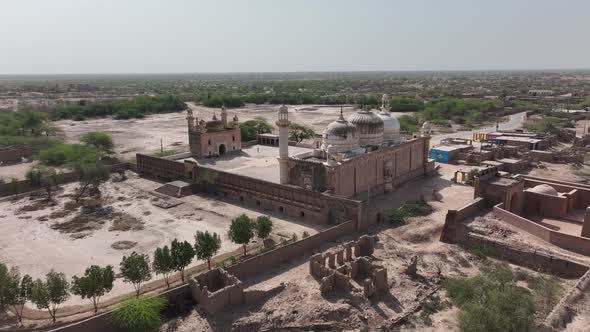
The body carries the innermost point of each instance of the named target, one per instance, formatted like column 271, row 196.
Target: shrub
column 491, row 301
column 139, row 315
column 408, row 210
column 305, row 235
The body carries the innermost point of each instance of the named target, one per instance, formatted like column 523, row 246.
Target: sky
column 194, row 36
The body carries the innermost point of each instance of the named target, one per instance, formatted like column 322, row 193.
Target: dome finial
column 341, row 118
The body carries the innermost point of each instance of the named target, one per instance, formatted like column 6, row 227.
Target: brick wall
column 255, row 265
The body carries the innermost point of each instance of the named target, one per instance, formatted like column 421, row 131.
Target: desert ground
column 301, row 305
column 38, row 235
column 145, row 135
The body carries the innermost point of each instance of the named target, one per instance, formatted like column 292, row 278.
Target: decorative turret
column 236, row 121
column 283, row 124
column 426, row 129
column 224, row 116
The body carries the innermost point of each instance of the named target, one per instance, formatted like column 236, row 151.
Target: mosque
column 362, row 155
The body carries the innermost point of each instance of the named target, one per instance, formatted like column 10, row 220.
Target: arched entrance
column 222, row 149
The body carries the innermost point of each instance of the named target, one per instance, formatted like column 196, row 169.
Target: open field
column 144, row 135
column 38, row 235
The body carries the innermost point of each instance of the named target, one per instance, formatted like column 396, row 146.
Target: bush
column 305, row 235
column 139, row 315
column 408, row 210
column 60, row 154
column 491, row 301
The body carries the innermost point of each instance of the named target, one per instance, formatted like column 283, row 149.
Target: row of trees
column 121, row 109
column 251, row 128
column 49, row 294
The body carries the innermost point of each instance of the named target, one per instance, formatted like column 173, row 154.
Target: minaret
column 190, row 119
column 283, row 124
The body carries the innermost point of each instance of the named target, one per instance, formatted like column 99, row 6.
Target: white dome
column 340, row 136
column 390, row 126
column 544, row 189
column 283, row 109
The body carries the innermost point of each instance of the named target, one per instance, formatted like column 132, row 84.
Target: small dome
column 369, row 126
column 544, row 189
column 426, row 125
column 341, row 136
column 283, row 109
column 390, row 126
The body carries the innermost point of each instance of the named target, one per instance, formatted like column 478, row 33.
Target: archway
column 221, row 149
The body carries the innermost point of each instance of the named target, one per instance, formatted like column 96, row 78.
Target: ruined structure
column 215, row 137
column 216, row 289
column 555, row 211
column 350, row 269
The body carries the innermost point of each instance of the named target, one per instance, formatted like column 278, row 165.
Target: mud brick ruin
column 216, row 289
column 348, row 267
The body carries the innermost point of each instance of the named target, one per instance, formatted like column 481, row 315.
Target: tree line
column 120, row 109
column 52, row 291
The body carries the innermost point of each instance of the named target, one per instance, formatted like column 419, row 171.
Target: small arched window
column 209, row 142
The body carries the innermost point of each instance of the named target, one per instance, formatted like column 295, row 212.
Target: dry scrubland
column 38, row 235
column 143, row 135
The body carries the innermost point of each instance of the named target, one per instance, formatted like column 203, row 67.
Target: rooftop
column 453, row 147
column 257, row 161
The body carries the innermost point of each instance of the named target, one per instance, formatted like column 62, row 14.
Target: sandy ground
column 144, row 135
column 16, row 171
column 28, row 241
column 301, row 304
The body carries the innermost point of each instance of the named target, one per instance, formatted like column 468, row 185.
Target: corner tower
column 283, row 124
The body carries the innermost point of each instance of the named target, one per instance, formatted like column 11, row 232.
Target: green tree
column 163, row 263
column 91, row 173
column 298, row 132
column 19, row 292
column 5, row 278
column 52, row 292
column 135, row 269
column 182, row 255
column 140, row 314
column 263, row 226
column 207, row 245
column 102, row 142
column 251, row 128
column 41, row 176
column 241, row 230
column 96, row 282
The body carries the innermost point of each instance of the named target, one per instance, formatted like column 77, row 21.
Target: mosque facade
column 215, row 137
column 361, row 155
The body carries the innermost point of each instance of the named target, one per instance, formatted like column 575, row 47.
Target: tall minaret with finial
column 283, row 124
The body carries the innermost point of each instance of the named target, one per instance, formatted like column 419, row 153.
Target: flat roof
column 453, row 147
column 510, row 161
column 503, row 181
column 492, row 162
column 518, row 139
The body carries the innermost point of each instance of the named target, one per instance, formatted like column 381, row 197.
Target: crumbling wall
column 336, row 269
column 216, row 289
column 563, row 313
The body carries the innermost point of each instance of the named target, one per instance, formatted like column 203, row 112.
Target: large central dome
column 369, row 126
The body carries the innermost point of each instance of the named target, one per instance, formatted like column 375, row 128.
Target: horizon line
column 307, row 72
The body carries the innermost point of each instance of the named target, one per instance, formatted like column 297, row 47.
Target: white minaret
column 283, row 124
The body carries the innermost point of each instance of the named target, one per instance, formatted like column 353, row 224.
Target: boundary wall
column 24, row 186
column 574, row 243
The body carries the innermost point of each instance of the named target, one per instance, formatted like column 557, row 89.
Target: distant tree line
column 120, row 109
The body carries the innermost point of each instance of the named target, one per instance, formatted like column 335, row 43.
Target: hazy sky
column 149, row 36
